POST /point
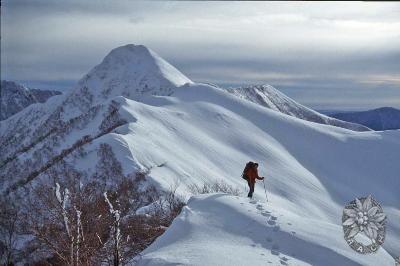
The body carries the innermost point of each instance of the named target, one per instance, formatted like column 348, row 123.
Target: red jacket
column 252, row 174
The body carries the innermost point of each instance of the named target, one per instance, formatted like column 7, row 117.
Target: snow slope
column 202, row 133
column 270, row 97
column 219, row 229
column 384, row 118
column 186, row 133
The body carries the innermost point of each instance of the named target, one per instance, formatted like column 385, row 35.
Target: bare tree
column 76, row 219
column 9, row 216
column 78, row 225
column 115, row 236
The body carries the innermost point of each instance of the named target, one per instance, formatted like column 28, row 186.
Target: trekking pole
column 265, row 190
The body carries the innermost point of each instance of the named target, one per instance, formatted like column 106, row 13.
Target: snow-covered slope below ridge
column 268, row 96
column 194, row 133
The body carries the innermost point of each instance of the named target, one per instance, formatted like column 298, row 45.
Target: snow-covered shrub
column 217, row 186
column 108, row 167
column 112, row 118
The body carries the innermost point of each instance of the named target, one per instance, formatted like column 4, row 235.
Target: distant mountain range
column 268, row 96
column 15, row 97
column 384, row 118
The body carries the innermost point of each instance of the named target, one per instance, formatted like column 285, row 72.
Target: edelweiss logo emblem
column 364, row 217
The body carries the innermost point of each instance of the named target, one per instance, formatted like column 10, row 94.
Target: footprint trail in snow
column 272, row 222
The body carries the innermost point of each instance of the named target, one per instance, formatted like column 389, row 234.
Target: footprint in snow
column 284, row 258
column 275, row 249
column 265, row 214
column 274, row 252
column 276, row 228
column 283, row 262
column 273, row 218
column 271, row 222
column 289, row 223
column 260, row 207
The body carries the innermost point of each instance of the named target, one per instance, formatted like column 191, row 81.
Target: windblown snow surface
column 187, row 133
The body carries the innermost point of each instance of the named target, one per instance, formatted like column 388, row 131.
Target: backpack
column 246, row 169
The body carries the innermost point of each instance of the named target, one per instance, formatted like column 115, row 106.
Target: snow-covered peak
column 137, row 60
column 131, row 71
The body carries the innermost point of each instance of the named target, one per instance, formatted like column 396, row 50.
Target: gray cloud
column 318, row 53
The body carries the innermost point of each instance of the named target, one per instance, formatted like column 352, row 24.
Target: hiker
column 250, row 173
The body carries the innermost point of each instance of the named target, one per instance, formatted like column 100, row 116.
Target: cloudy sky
column 325, row 55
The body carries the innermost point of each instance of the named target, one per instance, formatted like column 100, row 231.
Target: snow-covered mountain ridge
column 189, row 133
column 270, row 97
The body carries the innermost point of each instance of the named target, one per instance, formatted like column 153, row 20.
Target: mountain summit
column 132, row 71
